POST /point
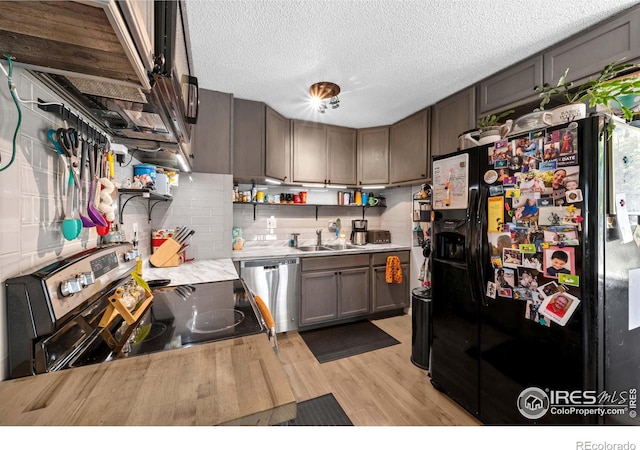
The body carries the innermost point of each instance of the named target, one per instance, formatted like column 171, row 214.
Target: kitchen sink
column 340, row 246
column 327, row 247
column 313, row 248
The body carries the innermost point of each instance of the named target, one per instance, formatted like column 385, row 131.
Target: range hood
column 125, row 65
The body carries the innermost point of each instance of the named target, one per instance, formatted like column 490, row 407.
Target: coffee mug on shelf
column 373, row 201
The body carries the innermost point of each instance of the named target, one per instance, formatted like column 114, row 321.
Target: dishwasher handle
column 269, row 263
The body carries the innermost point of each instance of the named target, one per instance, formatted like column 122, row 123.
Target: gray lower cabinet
column 373, row 156
column 389, row 296
column 409, row 158
column 212, row 137
column 451, row 117
column 586, row 54
column 278, row 145
column 334, row 287
column 511, row 87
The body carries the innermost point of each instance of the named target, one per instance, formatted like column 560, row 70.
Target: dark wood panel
column 64, row 36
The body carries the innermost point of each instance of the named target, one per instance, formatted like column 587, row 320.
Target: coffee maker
column 359, row 232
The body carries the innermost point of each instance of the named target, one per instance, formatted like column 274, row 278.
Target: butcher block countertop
column 233, row 382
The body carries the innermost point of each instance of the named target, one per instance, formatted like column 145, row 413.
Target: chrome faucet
column 319, row 234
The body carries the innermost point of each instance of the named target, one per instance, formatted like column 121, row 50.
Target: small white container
column 163, row 184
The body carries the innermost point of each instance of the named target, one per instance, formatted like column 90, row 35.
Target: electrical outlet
column 271, row 223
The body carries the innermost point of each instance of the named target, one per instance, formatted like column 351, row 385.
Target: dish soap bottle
column 135, row 248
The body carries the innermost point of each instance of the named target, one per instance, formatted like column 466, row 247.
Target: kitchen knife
column 180, row 232
column 187, row 236
column 183, row 236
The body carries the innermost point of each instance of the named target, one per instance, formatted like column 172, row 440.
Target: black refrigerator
column 536, row 276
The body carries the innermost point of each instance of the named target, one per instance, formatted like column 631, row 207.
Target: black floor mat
column 341, row 341
column 320, row 411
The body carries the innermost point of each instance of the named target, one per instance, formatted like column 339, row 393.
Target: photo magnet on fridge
column 558, row 260
column 496, row 190
column 532, row 313
column 491, row 289
column 559, row 307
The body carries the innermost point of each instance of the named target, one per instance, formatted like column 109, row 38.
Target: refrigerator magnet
column 532, row 313
column 559, row 307
column 573, row 196
column 569, row 280
column 491, row 289
column 623, row 218
column 490, row 176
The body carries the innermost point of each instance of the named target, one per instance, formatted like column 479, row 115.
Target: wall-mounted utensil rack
column 152, row 199
column 74, row 120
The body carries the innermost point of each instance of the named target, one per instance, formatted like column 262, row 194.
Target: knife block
column 167, row 255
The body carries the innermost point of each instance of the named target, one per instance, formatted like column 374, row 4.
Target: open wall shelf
column 257, row 205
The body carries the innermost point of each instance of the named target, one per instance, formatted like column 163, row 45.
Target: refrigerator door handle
column 469, row 242
column 481, row 218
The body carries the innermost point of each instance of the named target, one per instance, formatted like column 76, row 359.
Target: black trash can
column 421, row 326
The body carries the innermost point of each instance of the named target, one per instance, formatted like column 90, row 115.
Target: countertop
column 233, row 382
column 198, row 271
column 266, row 249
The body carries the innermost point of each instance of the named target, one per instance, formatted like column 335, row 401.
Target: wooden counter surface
column 233, row 382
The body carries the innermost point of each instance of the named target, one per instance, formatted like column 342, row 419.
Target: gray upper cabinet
column 451, row 117
column 373, row 155
column 309, row 152
column 409, row 148
column 248, row 139
column 511, row 87
column 586, row 54
column 323, row 154
column 212, row 137
column 341, row 149
column 278, row 145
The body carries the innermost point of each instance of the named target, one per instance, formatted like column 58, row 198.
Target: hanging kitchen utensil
column 103, row 230
column 53, row 138
column 66, row 140
column 71, row 227
column 86, row 220
column 92, row 211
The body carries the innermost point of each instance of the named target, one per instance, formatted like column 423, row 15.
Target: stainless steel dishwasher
column 277, row 282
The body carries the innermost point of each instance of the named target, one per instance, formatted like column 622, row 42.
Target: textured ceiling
column 390, row 57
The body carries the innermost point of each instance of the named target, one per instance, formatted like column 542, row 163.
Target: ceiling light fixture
column 322, row 91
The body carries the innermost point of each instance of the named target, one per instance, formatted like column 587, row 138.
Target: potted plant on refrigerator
column 489, row 130
column 604, row 91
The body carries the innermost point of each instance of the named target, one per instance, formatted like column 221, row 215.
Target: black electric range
column 54, row 314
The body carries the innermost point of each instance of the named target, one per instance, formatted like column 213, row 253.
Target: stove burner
column 216, row 320
column 157, row 330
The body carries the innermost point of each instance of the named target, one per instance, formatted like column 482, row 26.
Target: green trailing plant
column 492, row 120
column 603, row 90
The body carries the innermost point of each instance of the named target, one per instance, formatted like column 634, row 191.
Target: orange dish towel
column 268, row 319
column 393, row 272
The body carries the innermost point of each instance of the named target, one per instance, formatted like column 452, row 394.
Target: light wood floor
column 378, row 388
